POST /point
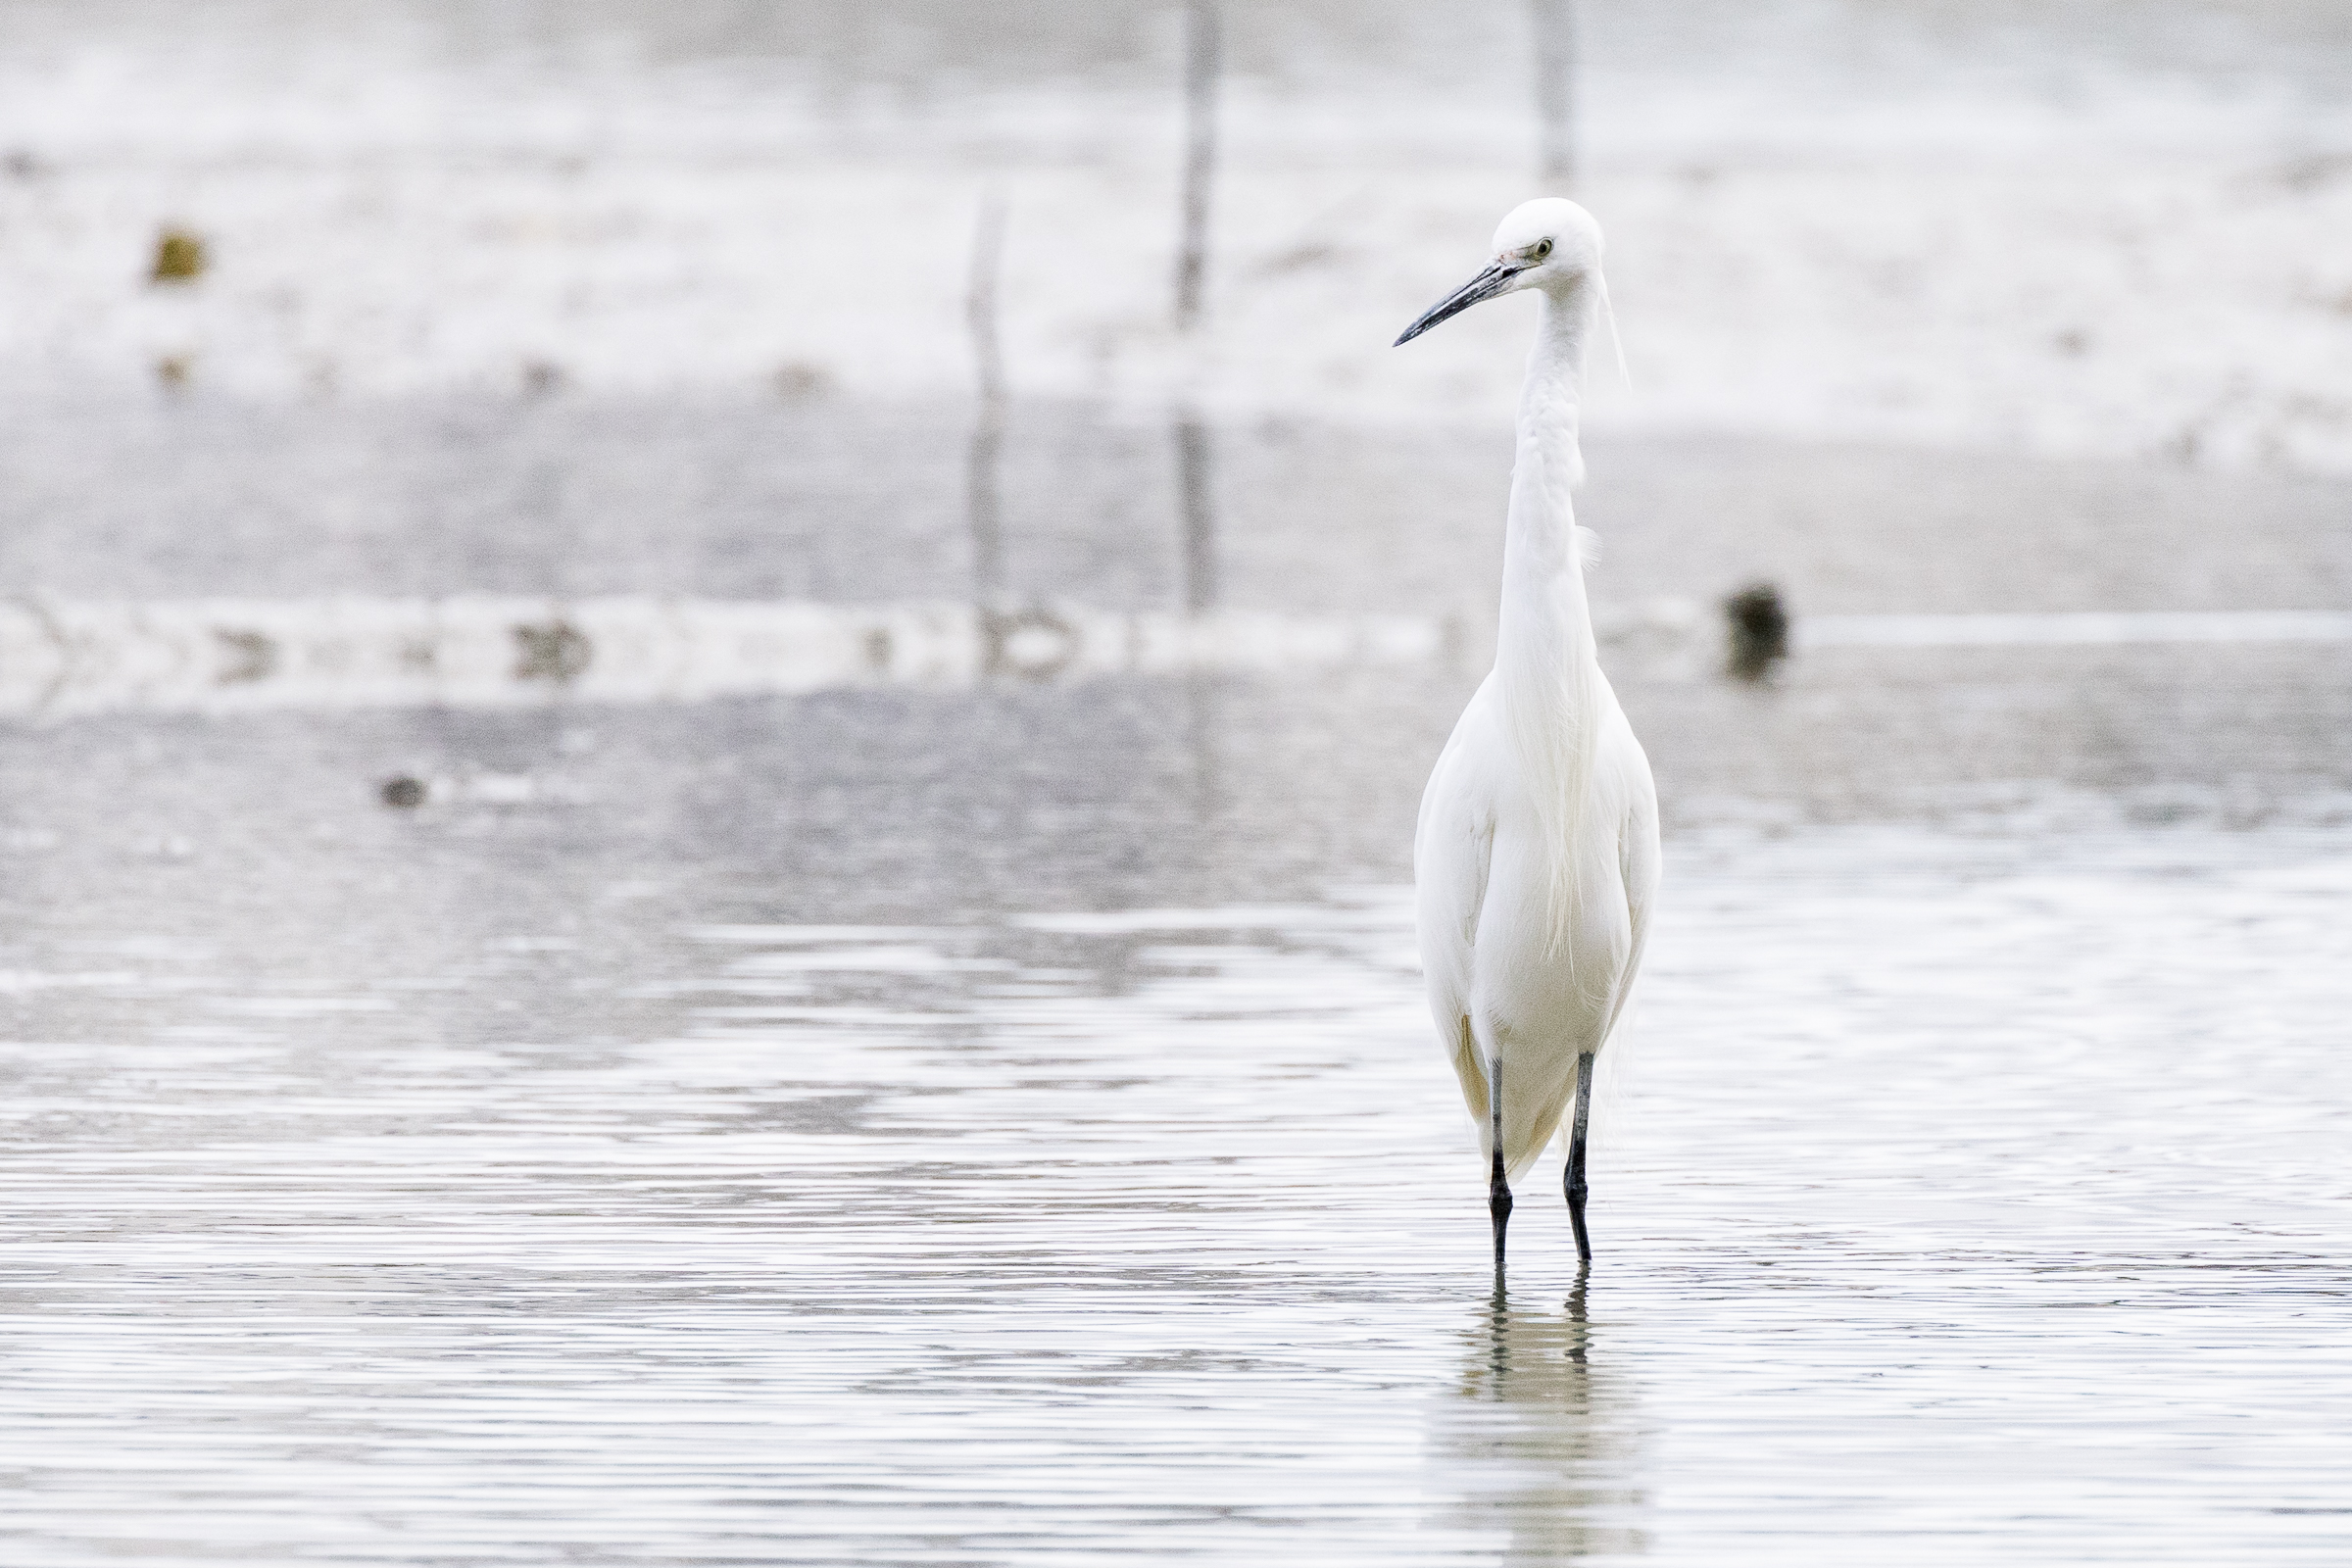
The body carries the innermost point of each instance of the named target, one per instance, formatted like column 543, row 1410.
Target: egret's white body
column 1537, row 855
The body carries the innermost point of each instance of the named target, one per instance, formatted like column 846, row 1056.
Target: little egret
column 1536, row 853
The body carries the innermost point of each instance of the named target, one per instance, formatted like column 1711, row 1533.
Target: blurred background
column 1928, row 309
column 650, row 653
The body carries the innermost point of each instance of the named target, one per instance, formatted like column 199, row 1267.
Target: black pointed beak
column 1485, row 286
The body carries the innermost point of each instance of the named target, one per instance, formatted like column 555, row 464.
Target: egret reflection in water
column 1540, row 1436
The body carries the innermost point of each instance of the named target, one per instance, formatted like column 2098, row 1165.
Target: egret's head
column 1547, row 243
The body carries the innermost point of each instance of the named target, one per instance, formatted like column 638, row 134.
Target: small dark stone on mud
column 404, row 791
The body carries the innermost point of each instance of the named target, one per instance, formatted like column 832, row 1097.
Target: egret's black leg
column 1576, row 1155
column 1499, row 1187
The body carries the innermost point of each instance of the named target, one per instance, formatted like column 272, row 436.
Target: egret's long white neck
column 1542, row 587
column 1544, row 662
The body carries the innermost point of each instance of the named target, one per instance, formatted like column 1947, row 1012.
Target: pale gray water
column 1000, row 1127
column 997, row 1124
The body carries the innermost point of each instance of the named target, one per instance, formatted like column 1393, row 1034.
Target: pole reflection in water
column 1197, row 503
column 1196, row 507
column 1539, row 1440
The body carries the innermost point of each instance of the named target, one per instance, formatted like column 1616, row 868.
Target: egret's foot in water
column 1498, row 1184
column 1499, row 1205
column 1574, row 1180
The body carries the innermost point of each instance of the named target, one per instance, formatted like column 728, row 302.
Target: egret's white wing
column 1453, row 849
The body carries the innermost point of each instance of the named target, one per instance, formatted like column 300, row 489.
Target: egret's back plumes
column 1550, row 701
column 1608, row 314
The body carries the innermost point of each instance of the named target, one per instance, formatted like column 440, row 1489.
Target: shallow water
column 1001, row 1126
column 992, row 1119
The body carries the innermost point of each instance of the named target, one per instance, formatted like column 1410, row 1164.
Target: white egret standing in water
column 1536, row 853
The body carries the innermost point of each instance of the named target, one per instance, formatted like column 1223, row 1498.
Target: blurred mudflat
column 156, row 495
column 1385, row 537
column 2103, row 227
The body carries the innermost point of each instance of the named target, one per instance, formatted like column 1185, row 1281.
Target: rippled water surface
column 750, row 1146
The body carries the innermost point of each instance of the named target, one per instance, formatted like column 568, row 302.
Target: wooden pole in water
column 1201, row 66
column 981, row 500
column 1195, row 457
column 1556, row 93
column 1195, row 451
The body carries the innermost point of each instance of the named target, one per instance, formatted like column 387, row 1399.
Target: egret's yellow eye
column 1543, row 249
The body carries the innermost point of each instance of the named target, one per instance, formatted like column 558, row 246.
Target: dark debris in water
column 556, row 652
column 1756, row 622
column 180, row 256
column 799, row 381
column 402, row 792
column 245, row 656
